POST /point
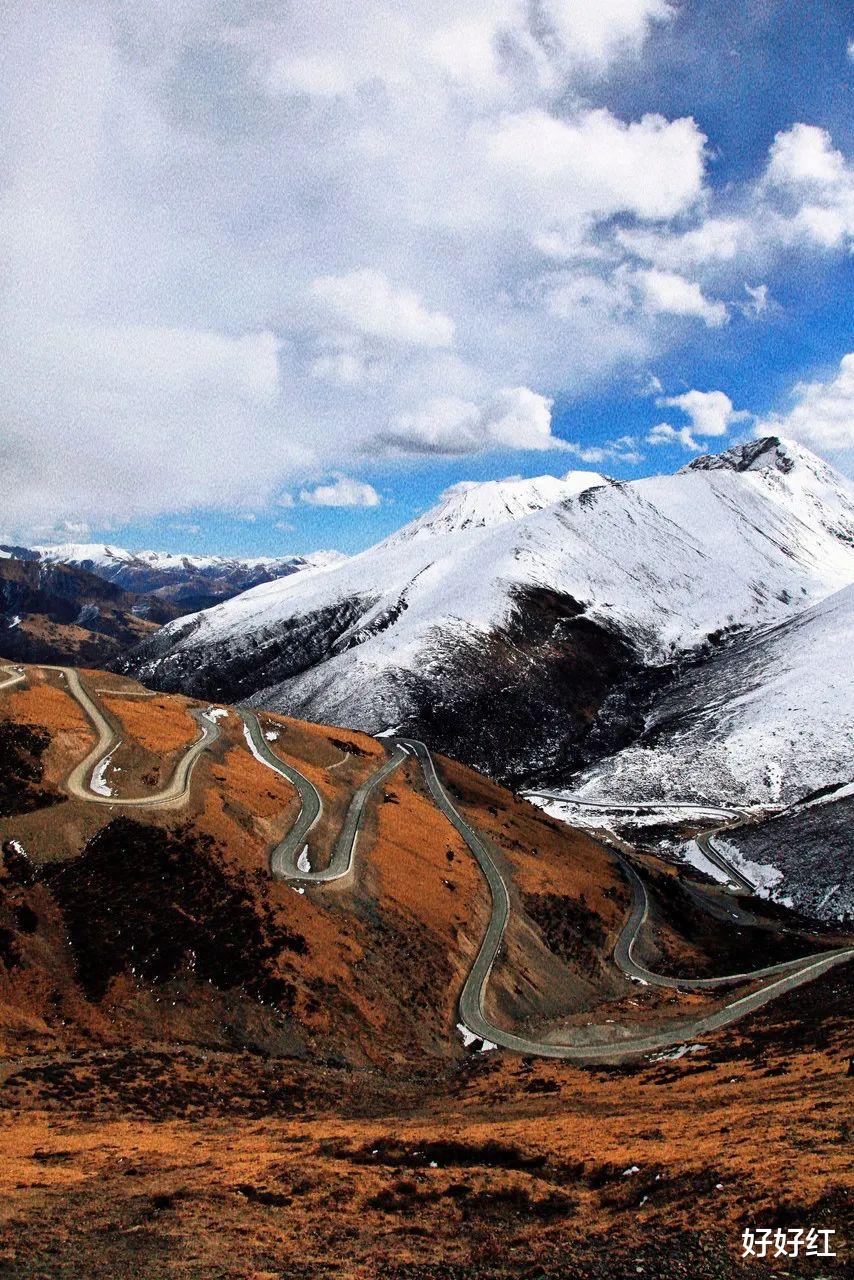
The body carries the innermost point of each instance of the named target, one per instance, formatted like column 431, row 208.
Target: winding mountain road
column 284, row 857
column 12, row 677
column 591, row 1044
column 731, row 817
column 80, row 781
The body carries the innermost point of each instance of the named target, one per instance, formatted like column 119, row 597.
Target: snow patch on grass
column 99, row 784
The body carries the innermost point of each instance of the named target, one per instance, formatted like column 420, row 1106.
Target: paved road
column 283, row 858
column 644, row 806
column 713, row 853
column 731, row 817
column 79, row 782
column 12, row 677
column 606, row 1042
column 596, row 1044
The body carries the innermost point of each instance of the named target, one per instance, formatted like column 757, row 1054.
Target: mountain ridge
column 475, row 634
column 190, row 582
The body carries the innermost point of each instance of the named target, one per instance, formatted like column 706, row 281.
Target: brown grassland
column 206, row 1073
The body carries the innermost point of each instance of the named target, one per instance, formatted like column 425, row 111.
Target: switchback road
column 80, row 781
column 590, row 1044
column 596, row 1043
column 284, row 857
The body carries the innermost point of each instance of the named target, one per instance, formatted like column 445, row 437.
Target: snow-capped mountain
column 765, row 720
column 524, row 626
column 190, row 582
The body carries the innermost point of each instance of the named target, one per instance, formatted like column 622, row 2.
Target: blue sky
column 277, row 276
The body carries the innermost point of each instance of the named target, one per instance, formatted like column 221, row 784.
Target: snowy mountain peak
column 482, row 505
column 770, row 453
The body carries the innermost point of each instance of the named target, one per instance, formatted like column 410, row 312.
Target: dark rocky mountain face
column 769, row 452
column 54, row 613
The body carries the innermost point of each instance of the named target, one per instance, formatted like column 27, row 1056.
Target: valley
column 206, row 937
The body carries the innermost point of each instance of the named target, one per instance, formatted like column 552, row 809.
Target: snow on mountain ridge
column 766, row 720
column 472, row 504
column 665, row 561
column 108, row 555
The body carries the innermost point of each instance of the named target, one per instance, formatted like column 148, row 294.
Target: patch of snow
column 256, row 753
column 99, row 783
column 303, row 863
column 834, row 888
column 762, row 875
column 215, row 713
column 631, row 1171
column 468, row 1036
column 271, row 735
column 16, row 622
column 694, row 856
column 763, row 721
column 486, row 1046
column 671, row 1055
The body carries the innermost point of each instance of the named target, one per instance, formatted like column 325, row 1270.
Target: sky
column 274, row 275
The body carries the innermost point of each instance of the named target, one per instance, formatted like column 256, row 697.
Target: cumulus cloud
column 342, row 491
column 821, row 415
column 804, row 156
column 596, row 165
column 596, row 33
column 244, row 244
column 366, row 303
column 664, row 433
column 666, row 293
column 514, row 418
column 710, row 413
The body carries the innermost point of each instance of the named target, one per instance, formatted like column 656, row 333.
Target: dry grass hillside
column 206, row 1072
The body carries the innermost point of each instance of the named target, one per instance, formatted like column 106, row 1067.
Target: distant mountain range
column 655, row 632
column 89, row 603
column 59, row 613
column 189, row 582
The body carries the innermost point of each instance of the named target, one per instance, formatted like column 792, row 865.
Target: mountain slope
column 56, row 613
column 190, row 582
column 767, row 719
column 500, row 623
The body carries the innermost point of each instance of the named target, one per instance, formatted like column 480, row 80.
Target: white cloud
column 347, row 368
column 237, row 250
column 467, row 52
column 623, row 449
column 817, row 184
column 595, row 165
column 342, row 491
column 759, row 301
column 597, row 33
column 713, row 240
column 365, row 302
column 514, row 418
column 666, row 293
column 804, row 156
column 664, row 433
column 711, row 412
column 822, row 415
